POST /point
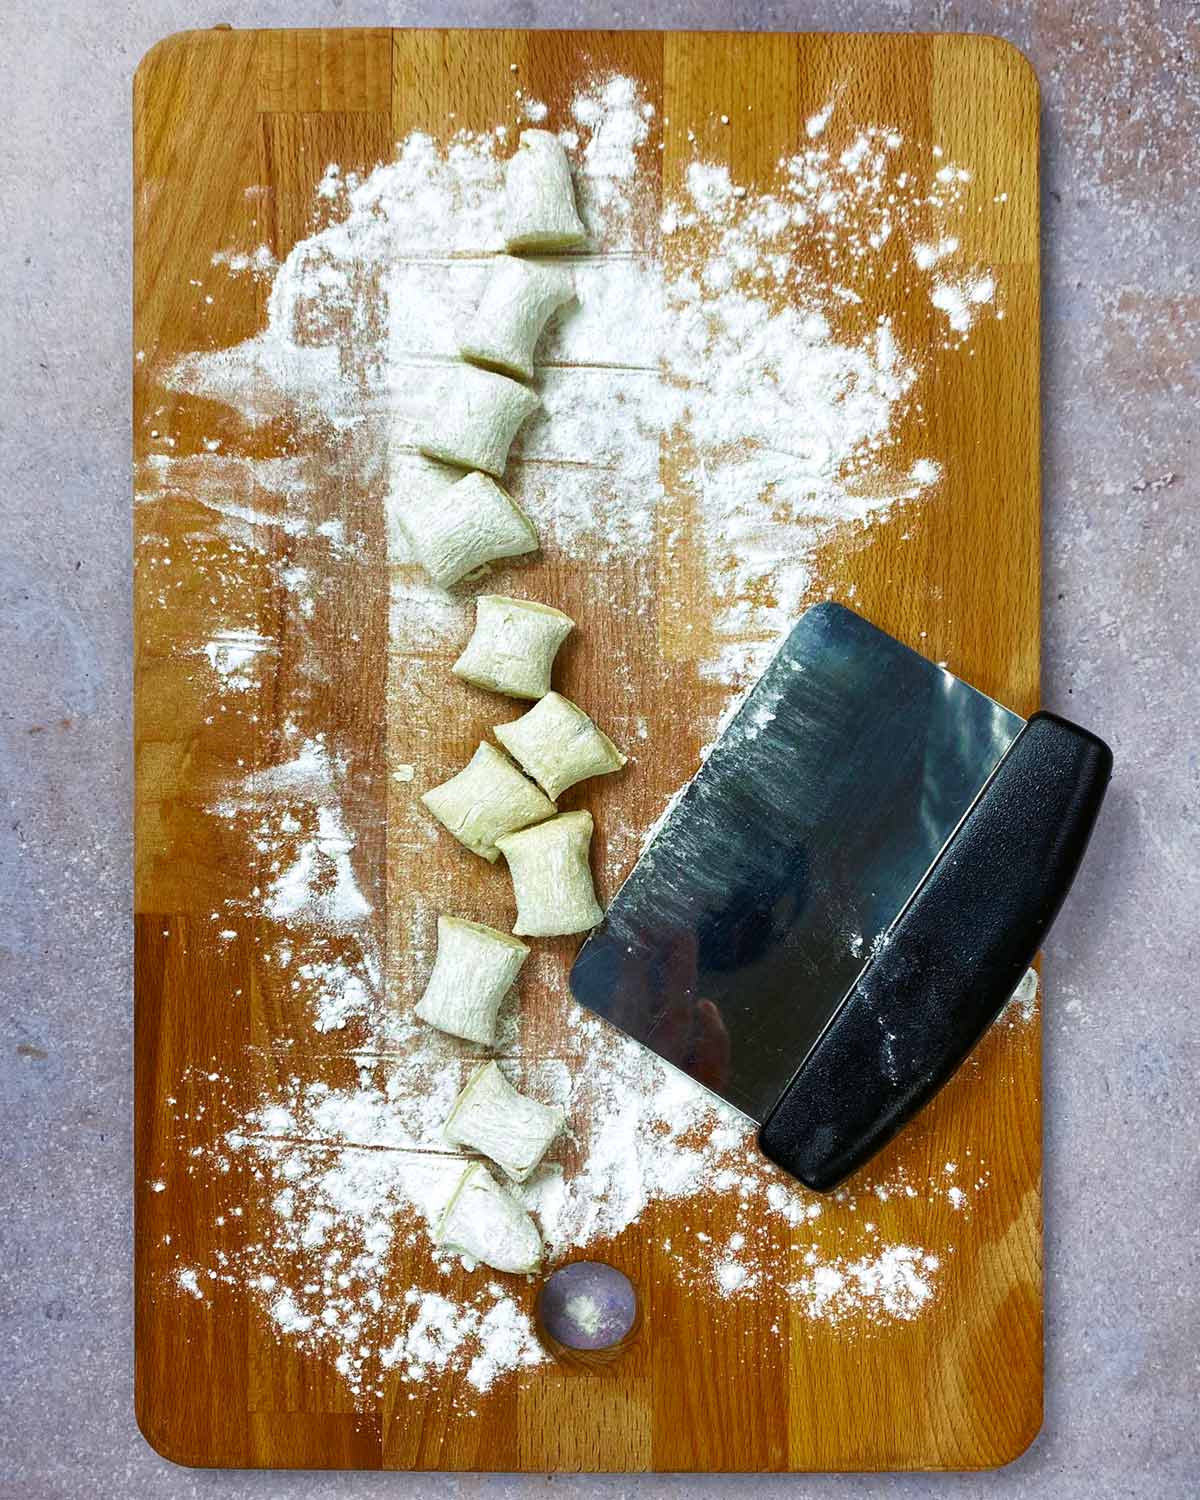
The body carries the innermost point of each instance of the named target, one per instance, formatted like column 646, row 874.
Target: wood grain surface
column 711, row 1384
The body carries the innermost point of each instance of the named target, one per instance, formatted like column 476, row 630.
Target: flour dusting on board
column 728, row 325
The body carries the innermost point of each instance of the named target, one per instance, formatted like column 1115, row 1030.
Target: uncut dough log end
column 539, row 198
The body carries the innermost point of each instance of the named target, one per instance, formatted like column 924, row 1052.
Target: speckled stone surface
column 1121, row 100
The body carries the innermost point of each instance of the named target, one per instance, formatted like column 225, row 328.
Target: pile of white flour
column 783, row 397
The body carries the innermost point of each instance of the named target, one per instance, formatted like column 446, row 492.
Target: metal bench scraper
column 846, row 893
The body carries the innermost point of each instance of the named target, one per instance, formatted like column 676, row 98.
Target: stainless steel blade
column 800, row 839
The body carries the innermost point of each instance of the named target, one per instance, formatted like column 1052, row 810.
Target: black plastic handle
column 949, row 962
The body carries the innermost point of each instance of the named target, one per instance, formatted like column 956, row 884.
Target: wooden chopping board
column 711, row 1384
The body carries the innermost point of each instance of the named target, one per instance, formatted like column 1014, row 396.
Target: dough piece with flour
column 510, row 1128
column 475, row 968
column 457, row 529
column 558, row 745
column 485, row 1222
column 518, row 302
column 473, row 418
column 513, row 646
column 487, row 799
column 551, row 876
column 539, row 199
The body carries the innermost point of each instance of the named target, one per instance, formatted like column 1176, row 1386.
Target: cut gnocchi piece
column 488, row 798
column 517, row 304
column 477, row 413
column 551, row 876
column 510, row 1128
column 454, row 531
column 475, row 968
column 487, row 1223
column 513, row 646
column 557, row 744
column 539, row 199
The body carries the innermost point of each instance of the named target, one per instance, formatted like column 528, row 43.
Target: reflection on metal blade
column 791, row 851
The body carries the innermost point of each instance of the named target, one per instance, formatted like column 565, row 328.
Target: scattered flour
column 337, row 992
column 258, row 262
column 734, row 1276
column 232, row 655
column 815, row 125
column 895, row 1284
column 926, row 472
column 491, row 1336
column 585, row 1313
column 320, row 884
column 189, row 1281
column 925, row 255
column 963, row 300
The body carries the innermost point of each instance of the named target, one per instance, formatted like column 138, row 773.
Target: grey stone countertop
column 1121, row 105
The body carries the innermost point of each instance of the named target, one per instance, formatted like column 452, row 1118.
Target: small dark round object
column 588, row 1306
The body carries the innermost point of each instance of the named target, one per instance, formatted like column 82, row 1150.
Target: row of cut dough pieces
column 456, row 529
column 453, row 534
column 477, row 965
column 514, row 643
